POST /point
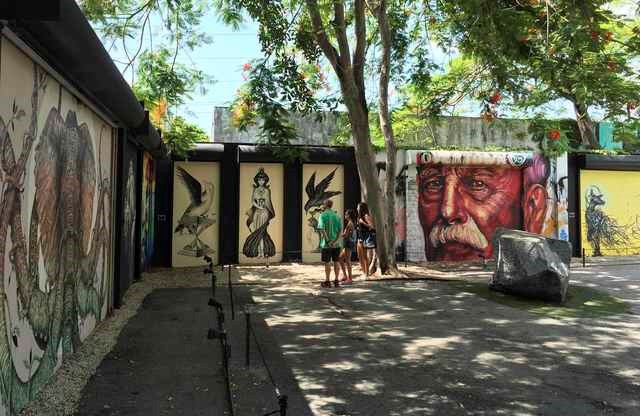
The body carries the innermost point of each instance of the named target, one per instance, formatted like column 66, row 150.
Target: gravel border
column 62, row 394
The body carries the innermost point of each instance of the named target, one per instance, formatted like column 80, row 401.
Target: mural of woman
column 259, row 243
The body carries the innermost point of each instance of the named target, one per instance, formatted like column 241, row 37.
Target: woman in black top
column 349, row 244
column 366, row 239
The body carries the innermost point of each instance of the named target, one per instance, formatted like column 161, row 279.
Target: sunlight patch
column 426, row 346
column 342, row 366
column 369, row 387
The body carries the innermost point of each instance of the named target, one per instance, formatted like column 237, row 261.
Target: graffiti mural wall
column 147, row 216
column 400, row 193
column 261, row 212
column 610, row 213
column 320, row 183
column 55, row 225
column 127, row 261
column 196, row 207
column 464, row 197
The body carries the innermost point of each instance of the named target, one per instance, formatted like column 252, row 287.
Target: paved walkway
column 400, row 347
column 163, row 363
column 434, row 348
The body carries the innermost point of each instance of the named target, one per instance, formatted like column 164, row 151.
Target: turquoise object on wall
column 606, row 136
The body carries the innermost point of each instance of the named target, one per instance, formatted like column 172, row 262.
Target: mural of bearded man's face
column 460, row 207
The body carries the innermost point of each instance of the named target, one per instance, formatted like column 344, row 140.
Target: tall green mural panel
column 55, row 225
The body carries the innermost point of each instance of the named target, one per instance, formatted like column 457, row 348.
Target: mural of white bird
column 201, row 201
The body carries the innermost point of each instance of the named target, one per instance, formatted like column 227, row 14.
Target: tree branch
column 320, row 34
column 361, row 45
column 340, row 29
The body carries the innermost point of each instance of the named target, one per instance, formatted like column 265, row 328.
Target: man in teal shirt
column 330, row 227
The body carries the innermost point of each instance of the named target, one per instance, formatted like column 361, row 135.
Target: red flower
column 246, row 66
column 553, row 134
column 608, row 36
column 495, row 98
column 595, row 35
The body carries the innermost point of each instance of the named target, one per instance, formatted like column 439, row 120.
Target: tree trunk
column 586, row 126
column 389, row 141
column 350, row 73
column 365, row 159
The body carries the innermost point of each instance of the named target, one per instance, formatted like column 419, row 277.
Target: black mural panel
column 127, row 212
column 163, row 209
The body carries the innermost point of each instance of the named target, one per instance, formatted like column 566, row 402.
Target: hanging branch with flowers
column 552, row 136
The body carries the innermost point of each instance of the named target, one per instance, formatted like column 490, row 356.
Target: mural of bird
column 201, row 201
column 602, row 230
column 317, row 194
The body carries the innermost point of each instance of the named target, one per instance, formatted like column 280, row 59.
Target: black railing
column 282, row 399
column 220, row 333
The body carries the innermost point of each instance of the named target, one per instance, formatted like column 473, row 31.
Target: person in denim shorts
column 349, row 238
column 366, row 240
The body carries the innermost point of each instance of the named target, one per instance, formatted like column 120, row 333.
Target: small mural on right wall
column 610, row 212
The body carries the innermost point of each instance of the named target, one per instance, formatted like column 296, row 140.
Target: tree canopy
column 535, row 52
column 159, row 80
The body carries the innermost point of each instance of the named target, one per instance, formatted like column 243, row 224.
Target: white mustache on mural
column 465, row 233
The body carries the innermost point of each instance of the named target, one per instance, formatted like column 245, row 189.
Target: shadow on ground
column 429, row 347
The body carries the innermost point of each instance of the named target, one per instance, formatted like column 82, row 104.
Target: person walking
column 366, row 240
column 329, row 226
column 348, row 245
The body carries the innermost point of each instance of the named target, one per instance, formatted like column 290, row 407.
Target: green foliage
column 290, row 79
column 628, row 132
column 181, row 136
column 536, row 51
column 158, row 78
column 162, row 86
column 553, row 136
column 119, row 20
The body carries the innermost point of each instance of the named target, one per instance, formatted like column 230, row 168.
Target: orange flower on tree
column 554, row 135
column 495, row 98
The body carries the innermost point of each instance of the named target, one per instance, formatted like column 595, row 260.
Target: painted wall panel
column 610, row 212
column 463, row 197
column 400, row 174
column 261, row 212
column 55, row 225
column 147, row 214
column 320, row 182
column 127, row 260
column 196, row 210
